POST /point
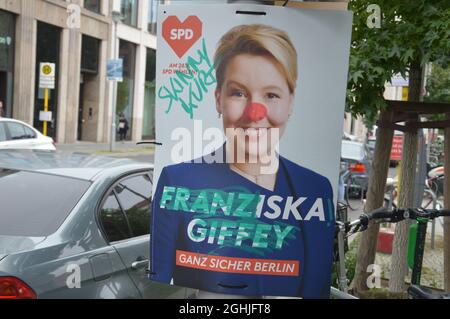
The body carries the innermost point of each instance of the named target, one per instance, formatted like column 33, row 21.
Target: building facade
column 136, row 43
column 78, row 36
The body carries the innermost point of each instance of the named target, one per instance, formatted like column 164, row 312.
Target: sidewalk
column 433, row 264
column 121, row 149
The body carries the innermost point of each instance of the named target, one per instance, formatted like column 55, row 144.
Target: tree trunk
column 375, row 198
column 447, row 206
column 406, row 198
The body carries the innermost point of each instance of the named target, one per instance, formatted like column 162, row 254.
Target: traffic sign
column 397, row 146
column 45, row 116
column 47, row 75
column 115, row 70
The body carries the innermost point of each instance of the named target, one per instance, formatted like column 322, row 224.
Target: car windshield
column 35, row 204
column 352, row 151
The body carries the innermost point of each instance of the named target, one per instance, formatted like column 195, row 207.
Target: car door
column 368, row 160
column 133, row 194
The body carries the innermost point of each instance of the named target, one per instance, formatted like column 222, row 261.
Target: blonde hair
column 257, row 39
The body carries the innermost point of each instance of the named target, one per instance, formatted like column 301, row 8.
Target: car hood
column 15, row 244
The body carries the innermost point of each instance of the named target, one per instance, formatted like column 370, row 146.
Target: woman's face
column 257, row 79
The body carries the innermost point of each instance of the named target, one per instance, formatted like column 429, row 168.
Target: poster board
column 217, row 224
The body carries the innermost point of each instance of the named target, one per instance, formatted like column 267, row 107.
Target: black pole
column 418, row 253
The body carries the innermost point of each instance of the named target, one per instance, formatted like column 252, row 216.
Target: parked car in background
column 15, row 134
column 371, row 141
column 76, row 226
column 357, row 158
column 349, row 137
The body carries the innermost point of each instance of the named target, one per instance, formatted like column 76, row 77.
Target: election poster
column 249, row 111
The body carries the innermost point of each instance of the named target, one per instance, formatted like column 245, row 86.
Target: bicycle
column 352, row 187
column 345, row 229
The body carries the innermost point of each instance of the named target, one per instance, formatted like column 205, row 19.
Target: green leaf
column 411, row 31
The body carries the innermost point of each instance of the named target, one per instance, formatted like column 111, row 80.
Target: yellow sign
column 405, row 91
column 47, row 69
column 47, row 75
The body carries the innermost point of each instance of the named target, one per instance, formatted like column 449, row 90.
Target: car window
column 352, row 151
column 113, row 220
column 368, row 153
column 2, row 133
column 29, row 132
column 134, row 195
column 17, row 131
column 36, row 204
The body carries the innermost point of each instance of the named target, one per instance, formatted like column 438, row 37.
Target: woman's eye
column 238, row 94
column 273, row 96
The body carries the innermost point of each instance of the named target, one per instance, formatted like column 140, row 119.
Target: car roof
column 352, row 143
column 7, row 119
column 68, row 164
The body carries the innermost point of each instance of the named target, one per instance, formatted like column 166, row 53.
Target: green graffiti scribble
column 200, row 73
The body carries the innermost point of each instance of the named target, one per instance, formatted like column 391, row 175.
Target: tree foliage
column 438, row 84
column 411, row 32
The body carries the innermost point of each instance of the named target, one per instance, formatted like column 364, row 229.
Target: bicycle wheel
column 341, row 212
column 354, row 194
column 427, row 199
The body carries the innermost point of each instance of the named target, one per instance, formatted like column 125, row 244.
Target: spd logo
column 181, row 36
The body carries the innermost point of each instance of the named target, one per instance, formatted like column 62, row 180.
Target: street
column 141, row 153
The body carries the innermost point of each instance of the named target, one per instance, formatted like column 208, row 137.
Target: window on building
column 7, row 40
column 129, row 9
column 47, row 50
column 125, row 89
column 148, row 125
column 89, row 54
column 92, row 5
column 152, row 14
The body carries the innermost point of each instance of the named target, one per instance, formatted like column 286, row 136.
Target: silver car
column 76, row 226
column 357, row 158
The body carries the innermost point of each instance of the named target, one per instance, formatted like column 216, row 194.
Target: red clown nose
column 255, row 112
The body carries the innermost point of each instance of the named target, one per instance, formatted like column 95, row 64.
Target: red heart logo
column 181, row 36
